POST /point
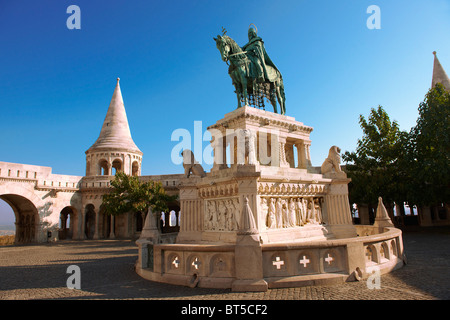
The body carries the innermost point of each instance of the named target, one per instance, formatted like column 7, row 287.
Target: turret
column 439, row 74
column 114, row 149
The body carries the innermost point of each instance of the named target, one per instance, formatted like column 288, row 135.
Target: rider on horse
column 259, row 57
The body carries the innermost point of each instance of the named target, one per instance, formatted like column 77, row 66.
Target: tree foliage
column 399, row 166
column 128, row 194
column 429, row 150
column 374, row 166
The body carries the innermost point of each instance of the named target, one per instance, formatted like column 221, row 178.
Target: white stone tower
column 114, row 149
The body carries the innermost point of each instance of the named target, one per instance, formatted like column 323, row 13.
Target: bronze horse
column 240, row 71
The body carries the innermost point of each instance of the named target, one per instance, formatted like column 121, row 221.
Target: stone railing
column 42, row 177
column 185, row 264
column 284, row 265
column 346, row 258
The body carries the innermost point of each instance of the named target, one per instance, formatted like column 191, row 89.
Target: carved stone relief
column 221, row 214
column 286, row 212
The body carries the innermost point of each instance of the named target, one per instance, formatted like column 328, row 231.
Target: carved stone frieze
column 218, row 190
column 294, row 189
column 221, row 214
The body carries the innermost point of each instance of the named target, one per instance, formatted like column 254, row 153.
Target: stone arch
column 393, row 247
column 172, row 218
column 135, row 168
column 89, row 221
column 371, row 255
column 68, row 217
column 384, row 252
column 103, row 167
column 139, row 219
column 24, row 202
column 117, row 165
column 26, row 218
column 104, row 223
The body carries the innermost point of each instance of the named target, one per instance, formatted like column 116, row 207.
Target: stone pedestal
column 191, row 211
column 291, row 202
column 150, row 230
column 248, row 265
column 248, row 254
column 262, row 220
column 337, row 207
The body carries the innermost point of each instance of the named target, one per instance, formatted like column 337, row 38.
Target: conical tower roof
column 439, row 74
column 115, row 133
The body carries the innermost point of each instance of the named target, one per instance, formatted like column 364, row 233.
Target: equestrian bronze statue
column 252, row 72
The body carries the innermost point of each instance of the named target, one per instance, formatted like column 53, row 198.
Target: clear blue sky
column 56, row 83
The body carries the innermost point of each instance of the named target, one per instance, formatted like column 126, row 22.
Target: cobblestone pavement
column 107, row 272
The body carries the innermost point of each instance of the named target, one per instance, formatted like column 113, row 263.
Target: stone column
column 191, row 211
column 233, row 142
column 304, row 157
column 264, row 154
column 289, row 151
column 150, row 230
column 282, row 145
column 111, row 233
column 97, row 220
column 301, row 160
column 338, row 210
column 83, row 225
column 219, row 146
column 308, row 155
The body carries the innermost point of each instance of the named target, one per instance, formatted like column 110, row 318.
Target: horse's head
column 222, row 45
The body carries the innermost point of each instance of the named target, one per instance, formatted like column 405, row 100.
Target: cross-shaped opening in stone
column 304, row 261
column 196, row 263
column 176, row 262
column 278, row 263
column 329, row 259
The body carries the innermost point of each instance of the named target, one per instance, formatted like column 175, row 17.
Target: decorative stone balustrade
column 284, row 265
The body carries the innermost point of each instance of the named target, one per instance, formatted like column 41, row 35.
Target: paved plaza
column 107, row 272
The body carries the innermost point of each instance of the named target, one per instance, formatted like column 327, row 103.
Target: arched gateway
column 26, row 215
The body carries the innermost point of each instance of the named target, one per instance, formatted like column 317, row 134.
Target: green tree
column 375, row 166
column 128, row 194
column 429, row 150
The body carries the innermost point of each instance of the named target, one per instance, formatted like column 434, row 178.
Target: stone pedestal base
column 249, row 285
